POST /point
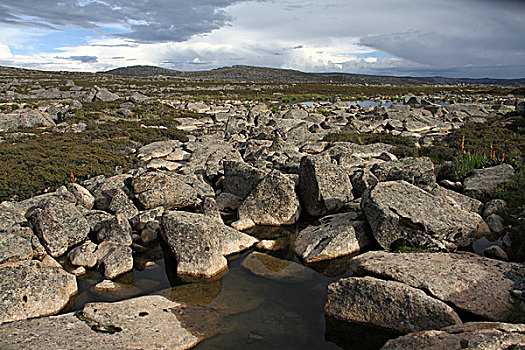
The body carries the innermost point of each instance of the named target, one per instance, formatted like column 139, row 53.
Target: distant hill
column 262, row 74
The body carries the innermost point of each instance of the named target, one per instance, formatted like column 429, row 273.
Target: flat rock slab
column 387, row 304
column 474, row 335
column 31, row 289
column 417, row 171
column 470, row 283
column 200, row 243
column 336, row 236
column 485, row 179
column 148, row 322
column 403, row 214
column 267, row 266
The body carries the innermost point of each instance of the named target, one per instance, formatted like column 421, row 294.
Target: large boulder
column 157, row 149
column 416, row 171
column 403, row 214
column 114, row 259
column 335, row 236
column 472, row 335
column 469, row 282
column 485, row 179
column 25, row 118
column 15, row 244
column 323, row 186
column 59, row 225
column 199, row 243
column 31, row 289
column 240, row 178
column 116, row 230
column 148, row 322
column 158, row 188
column 273, row 202
column 388, row 305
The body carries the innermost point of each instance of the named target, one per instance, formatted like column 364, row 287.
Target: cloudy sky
column 455, row 38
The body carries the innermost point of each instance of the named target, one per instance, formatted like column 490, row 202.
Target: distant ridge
column 263, row 74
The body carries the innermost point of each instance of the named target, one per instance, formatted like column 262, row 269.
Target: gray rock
column 362, row 180
column 273, row 202
column 496, row 223
column 402, row 214
column 25, row 118
column 148, row 322
column 150, row 232
column 336, row 236
column 495, row 252
column 228, row 201
column 199, row 243
column 114, row 259
column 96, row 218
column 140, row 221
column 157, row 188
column 59, row 225
column 485, row 179
column 15, row 244
column 120, row 203
column 116, row 230
column 105, row 95
column 494, row 206
column 157, row 149
column 10, row 215
column 472, row 335
column 84, row 255
column 83, row 197
column 103, row 188
column 468, row 282
column 457, row 199
column 416, row 171
column 31, row 289
column 285, row 271
column 388, row 305
column 240, row 178
column 323, row 187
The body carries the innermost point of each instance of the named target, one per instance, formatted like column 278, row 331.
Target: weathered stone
column 96, row 219
column 120, row 203
column 495, row 206
column 336, row 236
column 83, row 197
column 402, row 214
column 472, row 335
column 25, row 118
column 471, row 283
column 140, row 221
column 273, row 202
column 148, row 322
column 199, row 243
column 105, row 95
column 485, row 179
column 156, row 189
column 362, row 180
column 387, row 304
column 267, row 266
column 495, row 223
column 416, row 171
column 495, row 252
column 114, row 259
column 457, row 199
column 84, row 255
column 240, row 178
column 103, row 189
column 10, row 215
column 323, row 187
column 116, row 230
column 244, row 224
column 228, row 201
column 150, row 232
column 59, row 225
column 31, row 289
column 15, row 244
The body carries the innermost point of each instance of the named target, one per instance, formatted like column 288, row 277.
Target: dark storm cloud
column 84, row 59
column 144, row 20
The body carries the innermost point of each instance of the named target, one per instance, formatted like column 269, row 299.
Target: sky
column 453, row 38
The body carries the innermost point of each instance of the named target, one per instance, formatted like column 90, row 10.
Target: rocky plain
column 428, row 248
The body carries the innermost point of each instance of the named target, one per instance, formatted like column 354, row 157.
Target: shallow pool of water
column 242, row 310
